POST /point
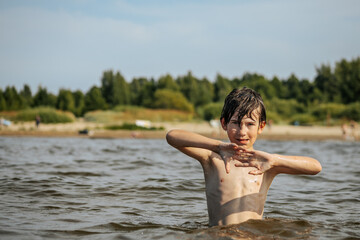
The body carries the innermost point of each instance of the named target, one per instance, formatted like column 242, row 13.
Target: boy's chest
column 237, row 183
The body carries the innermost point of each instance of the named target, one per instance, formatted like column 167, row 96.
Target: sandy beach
column 96, row 130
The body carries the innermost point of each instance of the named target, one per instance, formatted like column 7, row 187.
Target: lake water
column 80, row 188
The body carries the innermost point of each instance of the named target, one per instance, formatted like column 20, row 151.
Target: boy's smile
column 244, row 133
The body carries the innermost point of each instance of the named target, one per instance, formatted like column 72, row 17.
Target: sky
column 70, row 43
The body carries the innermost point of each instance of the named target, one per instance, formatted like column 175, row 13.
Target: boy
column 237, row 177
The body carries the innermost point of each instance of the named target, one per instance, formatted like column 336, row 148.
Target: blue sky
column 69, row 43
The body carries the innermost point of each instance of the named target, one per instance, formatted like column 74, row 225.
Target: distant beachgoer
column 136, row 134
column 237, row 177
column 37, row 121
column 354, row 128
column 345, row 131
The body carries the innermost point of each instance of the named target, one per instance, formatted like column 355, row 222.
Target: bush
column 274, row 117
column 303, row 119
column 168, row 99
column 47, row 115
column 332, row 110
column 128, row 108
column 131, row 126
column 285, row 108
column 154, row 115
column 211, row 111
column 352, row 111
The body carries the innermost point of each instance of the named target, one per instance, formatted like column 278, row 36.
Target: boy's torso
column 235, row 197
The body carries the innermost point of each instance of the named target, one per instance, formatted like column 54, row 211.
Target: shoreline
column 276, row 132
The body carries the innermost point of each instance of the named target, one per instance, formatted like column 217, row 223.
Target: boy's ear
column 261, row 126
column 223, row 125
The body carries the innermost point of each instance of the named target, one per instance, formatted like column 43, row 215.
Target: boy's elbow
column 170, row 137
column 317, row 168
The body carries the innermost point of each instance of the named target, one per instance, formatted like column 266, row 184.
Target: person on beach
column 37, row 121
column 354, row 127
column 238, row 177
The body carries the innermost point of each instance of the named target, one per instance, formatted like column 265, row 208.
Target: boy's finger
column 255, row 172
column 242, row 164
column 242, row 159
column 241, row 152
column 244, row 150
column 227, row 166
column 234, row 145
column 249, row 152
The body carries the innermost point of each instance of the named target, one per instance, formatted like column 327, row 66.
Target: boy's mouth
column 243, row 141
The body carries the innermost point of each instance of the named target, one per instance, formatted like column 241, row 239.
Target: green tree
column 43, row 98
column 107, row 86
column 281, row 91
column 137, row 86
column 115, row 89
column 348, row 75
column 167, row 82
column 329, row 86
column 147, row 94
column 94, row 100
column 13, row 99
column 2, row 101
column 26, row 95
column 223, row 87
column 65, row 101
column 306, row 88
column 189, row 87
column 260, row 84
column 120, row 91
column 79, row 101
column 293, row 88
column 205, row 92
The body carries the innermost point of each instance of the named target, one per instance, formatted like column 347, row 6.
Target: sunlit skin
column 237, row 177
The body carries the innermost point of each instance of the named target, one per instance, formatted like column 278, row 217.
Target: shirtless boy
column 238, row 177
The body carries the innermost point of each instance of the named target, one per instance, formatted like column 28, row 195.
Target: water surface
column 79, row 188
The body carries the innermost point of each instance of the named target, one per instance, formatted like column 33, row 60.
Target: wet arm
column 263, row 161
column 295, row 164
column 193, row 144
column 201, row 147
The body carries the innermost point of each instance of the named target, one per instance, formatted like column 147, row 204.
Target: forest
column 332, row 97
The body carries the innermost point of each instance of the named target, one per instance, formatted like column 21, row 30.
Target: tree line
column 339, row 85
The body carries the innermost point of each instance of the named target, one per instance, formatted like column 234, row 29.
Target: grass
column 130, row 126
column 131, row 114
column 47, row 115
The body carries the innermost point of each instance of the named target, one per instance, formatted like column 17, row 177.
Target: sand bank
column 96, row 130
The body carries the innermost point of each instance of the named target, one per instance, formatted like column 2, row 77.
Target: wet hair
column 245, row 101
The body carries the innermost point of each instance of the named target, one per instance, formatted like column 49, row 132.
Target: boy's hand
column 228, row 152
column 262, row 161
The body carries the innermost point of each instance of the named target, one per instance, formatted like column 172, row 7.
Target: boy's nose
column 242, row 131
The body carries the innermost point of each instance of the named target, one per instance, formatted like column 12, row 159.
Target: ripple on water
column 144, row 189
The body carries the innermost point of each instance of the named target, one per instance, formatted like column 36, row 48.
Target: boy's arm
column 296, row 165
column 263, row 162
column 201, row 147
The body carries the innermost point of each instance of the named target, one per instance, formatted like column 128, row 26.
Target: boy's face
column 244, row 133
